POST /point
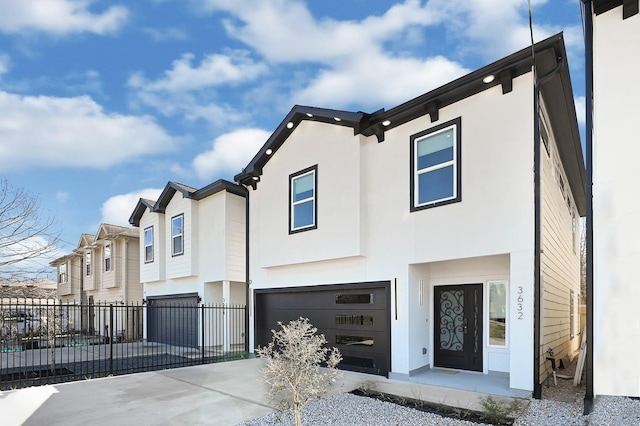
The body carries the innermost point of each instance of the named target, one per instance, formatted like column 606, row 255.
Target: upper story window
column 435, row 163
column 107, row 258
column 62, row 273
column 87, row 262
column 177, row 235
column 303, row 196
column 148, row 244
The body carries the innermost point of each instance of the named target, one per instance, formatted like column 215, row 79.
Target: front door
column 458, row 326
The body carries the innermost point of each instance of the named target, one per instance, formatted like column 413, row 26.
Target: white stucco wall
column 367, row 233
column 616, row 206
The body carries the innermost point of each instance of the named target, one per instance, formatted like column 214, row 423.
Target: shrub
column 293, row 365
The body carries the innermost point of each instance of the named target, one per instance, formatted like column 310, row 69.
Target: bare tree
column 292, row 368
column 25, row 235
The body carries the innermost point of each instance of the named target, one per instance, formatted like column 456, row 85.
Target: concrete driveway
column 222, row 394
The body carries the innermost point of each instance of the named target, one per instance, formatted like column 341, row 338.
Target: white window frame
column 313, row 199
column 108, row 262
column 62, row 273
column 87, row 262
column 178, row 235
column 506, row 317
column 454, row 125
column 146, row 258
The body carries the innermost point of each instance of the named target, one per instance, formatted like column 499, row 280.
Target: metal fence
column 44, row 341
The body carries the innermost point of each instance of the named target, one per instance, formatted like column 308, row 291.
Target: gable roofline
column 108, row 231
column 549, row 54
column 171, row 188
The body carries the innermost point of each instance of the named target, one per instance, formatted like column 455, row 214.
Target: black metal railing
column 44, row 341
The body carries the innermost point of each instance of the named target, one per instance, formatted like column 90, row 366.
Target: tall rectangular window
column 177, row 235
column 303, row 200
column 148, row 244
column 107, row 257
column 87, row 262
column 435, row 161
column 497, row 313
column 62, row 273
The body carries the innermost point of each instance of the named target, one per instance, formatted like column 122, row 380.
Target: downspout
column 247, row 280
column 588, row 52
column 537, row 324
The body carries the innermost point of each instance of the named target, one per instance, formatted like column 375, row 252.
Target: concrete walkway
column 222, row 394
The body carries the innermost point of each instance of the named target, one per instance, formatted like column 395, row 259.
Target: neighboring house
column 40, row 291
column 193, row 250
column 104, row 270
column 615, row 224
column 409, row 236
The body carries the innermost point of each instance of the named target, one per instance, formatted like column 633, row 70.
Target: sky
column 103, row 102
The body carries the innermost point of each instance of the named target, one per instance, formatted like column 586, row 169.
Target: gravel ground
column 351, row 410
column 561, row 405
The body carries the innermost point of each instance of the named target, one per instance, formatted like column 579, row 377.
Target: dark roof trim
column 250, row 174
column 187, row 192
column 557, row 92
column 629, row 7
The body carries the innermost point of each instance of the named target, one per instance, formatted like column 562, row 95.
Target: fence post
column 203, row 334
column 110, row 336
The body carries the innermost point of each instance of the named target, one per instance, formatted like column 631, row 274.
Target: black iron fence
column 44, row 341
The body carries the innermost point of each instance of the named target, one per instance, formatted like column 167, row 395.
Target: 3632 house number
column 520, row 300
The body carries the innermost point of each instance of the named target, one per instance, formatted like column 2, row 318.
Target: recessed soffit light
column 385, row 123
column 488, row 79
column 269, row 151
column 309, row 115
column 337, row 118
column 290, row 125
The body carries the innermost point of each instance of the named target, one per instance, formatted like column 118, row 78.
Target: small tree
column 292, row 368
column 51, row 325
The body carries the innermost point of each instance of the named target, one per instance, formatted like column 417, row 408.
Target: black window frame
column 293, row 176
column 457, row 160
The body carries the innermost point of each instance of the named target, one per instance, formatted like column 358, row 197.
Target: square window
column 177, row 235
column 107, row 257
column 148, row 244
column 303, row 200
column 435, row 164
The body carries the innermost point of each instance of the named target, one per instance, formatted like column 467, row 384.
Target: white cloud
column 229, row 153
column 213, row 70
column 399, row 79
column 117, row 209
column 285, row 31
column 62, row 196
column 163, row 34
column 58, row 17
column 72, row 132
column 581, row 109
column 5, row 63
column 187, row 90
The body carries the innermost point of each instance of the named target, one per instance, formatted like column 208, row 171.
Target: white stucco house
column 441, row 233
column 612, row 37
column 193, row 251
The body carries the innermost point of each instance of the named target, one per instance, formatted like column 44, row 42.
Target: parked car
column 20, row 322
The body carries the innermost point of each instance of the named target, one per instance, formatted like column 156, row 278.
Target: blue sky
column 102, row 102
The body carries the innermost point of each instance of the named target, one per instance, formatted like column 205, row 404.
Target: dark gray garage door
column 173, row 319
column 355, row 318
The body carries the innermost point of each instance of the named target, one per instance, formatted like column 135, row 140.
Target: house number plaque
column 520, row 301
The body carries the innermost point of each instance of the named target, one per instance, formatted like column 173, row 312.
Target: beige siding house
column 413, row 237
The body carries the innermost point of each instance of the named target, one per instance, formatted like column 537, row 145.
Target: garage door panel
column 354, row 318
column 173, row 320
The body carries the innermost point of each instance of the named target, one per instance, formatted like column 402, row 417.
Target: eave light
column 290, row 125
column 337, row 118
column 385, row 123
column 269, row 151
column 488, row 79
column 309, row 115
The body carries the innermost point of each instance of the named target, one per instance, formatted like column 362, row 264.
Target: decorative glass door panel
column 458, row 326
